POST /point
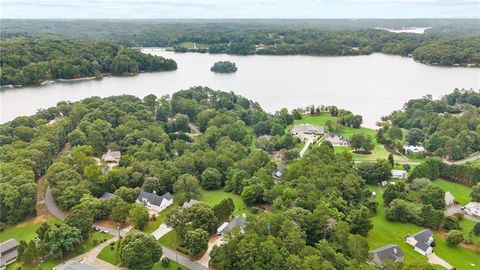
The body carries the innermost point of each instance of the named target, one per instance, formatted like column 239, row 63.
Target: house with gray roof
column 155, row 202
column 237, row 222
column 74, row 265
column 8, row 252
column 336, row 139
column 111, row 156
column 305, row 131
column 389, row 252
column 189, row 203
column 107, row 195
column 421, row 241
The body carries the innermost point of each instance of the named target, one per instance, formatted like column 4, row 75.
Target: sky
column 124, row 9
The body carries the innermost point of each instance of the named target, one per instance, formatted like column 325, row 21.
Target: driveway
column 455, row 208
column 91, row 257
column 434, row 259
column 161, row 231
column 214, row 240
column 52, row 206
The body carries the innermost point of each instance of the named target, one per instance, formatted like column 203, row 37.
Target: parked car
column 96, row 228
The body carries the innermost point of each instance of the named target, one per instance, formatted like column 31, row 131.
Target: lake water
column 372, row 86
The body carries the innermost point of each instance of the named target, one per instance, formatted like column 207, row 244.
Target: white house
column 236, row 222
column 154, row 202
column 413, row 148
column 111, row 156
column 449, row 199
column 472, row 208
column 421, row 241
column 336, row 139
column 8, row 252
column 303, row 131
column 399, row 174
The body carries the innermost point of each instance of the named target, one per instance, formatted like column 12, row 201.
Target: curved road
column 172, row 255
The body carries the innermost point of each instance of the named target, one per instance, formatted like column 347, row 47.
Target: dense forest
column 30, row 61
column 448, row 127
column 449, row 42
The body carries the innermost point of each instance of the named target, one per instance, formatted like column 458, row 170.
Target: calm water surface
column 372, row 86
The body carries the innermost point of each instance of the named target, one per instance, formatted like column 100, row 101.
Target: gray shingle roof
column 152, row 198
column 8, row 245
column 107, row 195
column 423, row 239
column 390, row 252
column 236, row 222
column 307, row 129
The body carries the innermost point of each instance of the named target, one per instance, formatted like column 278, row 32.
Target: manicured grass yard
column 213, row 197
column 460, row 192
column 385, row 232
column 94, row 239
column 153, row 225
column 467, row 226
column 26, row 229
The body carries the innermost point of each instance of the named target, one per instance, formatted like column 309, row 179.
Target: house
column 399, row 174
column 421, row 241
column 389, row 252
column 237, row 222
column 111, row 156
column 107, row 195
column 449, row 199
column 189, row 203
column 472, row 208
column 154, row 202
column 280, row 169
column 74, row 265
column 303, row 131
column 8, row 253
column 336, row 139
column 413, row 148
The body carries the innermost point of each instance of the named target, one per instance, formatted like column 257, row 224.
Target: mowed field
column 460, row 192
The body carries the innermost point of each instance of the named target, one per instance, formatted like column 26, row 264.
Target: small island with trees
column 224, row 67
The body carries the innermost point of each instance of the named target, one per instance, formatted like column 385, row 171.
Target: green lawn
column 24, row 230
column 385, row 232
column 460, row 192
column 170, row 240
column 95, row 239
column 467, row 226
column 189, row 45
column 153, row 225
column 171, row 266
column 213, row 197
column 321, row 120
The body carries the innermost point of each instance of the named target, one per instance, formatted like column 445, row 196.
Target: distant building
column 237, row 222
column 472, row 208
column 154, row 202
column 421, row 241
column 74, row 265
column 399, row 174
column 8, row 253
column 189, row 203
column 304, row 131
column 107, row 195
column 413, row 148
column 389, row 252
column 280, row 169
column 449, row 199
column 111, row 156
column 336, row 139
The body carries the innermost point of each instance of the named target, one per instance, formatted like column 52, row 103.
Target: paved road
column 475, row 156
column 51, row 206
column 455, row 208
column 182, row 259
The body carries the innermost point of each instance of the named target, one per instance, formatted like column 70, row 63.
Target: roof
column 303, row 128
column 153, row 198
column 449, row 196
column 8, row 245
column 74, row 265
column 390, row 252
column 423, row 239
column 107, row 195
column 473, row 205
column 236, row 222
column 332, row 135
column 189, row 203
column 112, row 154
column 399, row 172
column 281, row 167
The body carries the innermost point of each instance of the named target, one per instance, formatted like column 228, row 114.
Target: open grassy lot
column 25, row 230
column 213, row 197
column 467, row 226
column 460, row 192
column 321, row 120
column 94, row 239
column 189, row 45
column 385, row 232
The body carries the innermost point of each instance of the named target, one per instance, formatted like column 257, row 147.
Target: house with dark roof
column 107, row 195
column 389, row 252
column 8, row 253
column 155, row 202
column 237, row 222
column 74, row 265
column 336, row 139
column 422, row 241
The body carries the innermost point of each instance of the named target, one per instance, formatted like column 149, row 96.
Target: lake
column 372, row 85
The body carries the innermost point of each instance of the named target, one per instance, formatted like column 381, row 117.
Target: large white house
column 472, row 208
column 399, row 174
column 304, row 131
column 421, row 241
column 8, row 252
column 336, row 139
column 154, row 202
column 413, row 148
